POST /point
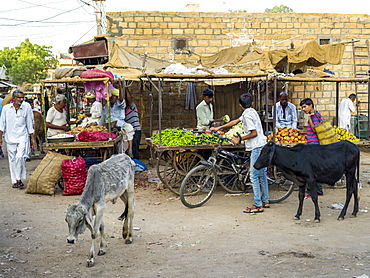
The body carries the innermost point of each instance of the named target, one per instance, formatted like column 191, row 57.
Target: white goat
column 105, row 182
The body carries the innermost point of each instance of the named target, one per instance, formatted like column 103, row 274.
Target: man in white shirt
column 346, row 107
column 205, row 110
column 16, row 122
column 254, row 141
column 286, row 112
column 96, row 110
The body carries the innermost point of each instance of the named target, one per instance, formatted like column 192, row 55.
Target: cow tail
column 358, row 170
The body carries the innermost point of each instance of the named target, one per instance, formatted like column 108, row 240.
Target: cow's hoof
column 340, row 218
column 296, row 218
column 128, row 241
column 101, row 253
column 90, row 263
column 353, row 216
column 317, row 221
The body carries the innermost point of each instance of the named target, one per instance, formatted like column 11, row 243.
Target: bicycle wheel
column 230, row 181
column 279, row 187
column 198, row 186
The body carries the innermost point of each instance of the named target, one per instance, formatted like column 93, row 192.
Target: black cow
column 309, row 164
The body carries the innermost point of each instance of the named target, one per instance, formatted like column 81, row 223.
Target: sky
column 63, row 23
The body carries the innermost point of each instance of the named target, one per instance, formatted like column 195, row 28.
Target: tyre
column 279, row 187
column 198, row 186
column 230, row 181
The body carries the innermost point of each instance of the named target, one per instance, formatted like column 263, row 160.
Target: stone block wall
column 160, row 33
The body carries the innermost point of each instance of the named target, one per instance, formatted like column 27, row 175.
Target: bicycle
column 232, row 172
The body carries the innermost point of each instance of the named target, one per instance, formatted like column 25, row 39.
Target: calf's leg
column 300, row 199
column 128, row 198
column 99, row 212
column 351, row 188
column 103, row 242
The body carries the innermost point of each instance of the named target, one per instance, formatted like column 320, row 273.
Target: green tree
column 27, row 62
column 279, row 9
column 237, row 11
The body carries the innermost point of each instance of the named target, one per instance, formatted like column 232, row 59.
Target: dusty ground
column 170, row 240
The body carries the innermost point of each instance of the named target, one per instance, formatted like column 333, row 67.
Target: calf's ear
column 87, row 218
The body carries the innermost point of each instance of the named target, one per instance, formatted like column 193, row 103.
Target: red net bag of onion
column 74, row 175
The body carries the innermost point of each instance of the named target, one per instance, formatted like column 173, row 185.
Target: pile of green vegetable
column 174, row 137
column 178, row 137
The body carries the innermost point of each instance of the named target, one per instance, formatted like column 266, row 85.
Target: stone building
column 183, row 37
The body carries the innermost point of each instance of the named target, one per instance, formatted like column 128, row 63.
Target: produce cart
column 100, row 150
column 174, row 162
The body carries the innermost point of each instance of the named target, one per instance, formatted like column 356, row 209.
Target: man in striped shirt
column 132, row 117
column 314, row 118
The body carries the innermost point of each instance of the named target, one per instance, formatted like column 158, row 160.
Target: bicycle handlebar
column 217, row 134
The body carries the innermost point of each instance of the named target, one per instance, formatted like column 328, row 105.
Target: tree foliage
column 279, row 9
column 237, row 11
column 27, row 62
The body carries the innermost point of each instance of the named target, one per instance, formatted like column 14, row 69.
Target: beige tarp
column 245, row 59
column 122, row 59
column 309, row 54
column 248, row 59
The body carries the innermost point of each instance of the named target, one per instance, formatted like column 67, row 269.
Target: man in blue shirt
column 286, row 112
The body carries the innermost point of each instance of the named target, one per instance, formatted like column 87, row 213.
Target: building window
column 181, row 46
column 322, row 40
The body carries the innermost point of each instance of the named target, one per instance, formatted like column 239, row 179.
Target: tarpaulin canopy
column 309, row 54
column 241, row 59
column 248, row 58
column 123, row 58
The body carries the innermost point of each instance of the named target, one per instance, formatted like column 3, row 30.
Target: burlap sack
column 47, row 174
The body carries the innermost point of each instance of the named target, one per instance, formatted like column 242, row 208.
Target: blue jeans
column 259, row 180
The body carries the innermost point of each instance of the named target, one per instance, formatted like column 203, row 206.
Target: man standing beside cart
column 117, row 113
column 205, row 110
column 346, row 107
column 286, row 112
column 96, row 110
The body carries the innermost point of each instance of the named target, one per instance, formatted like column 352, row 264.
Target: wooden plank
column 83, row 145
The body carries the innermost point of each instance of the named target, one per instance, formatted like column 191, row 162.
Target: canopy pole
column 274, row 114
column 160, row 109
column 336, row 102
column 267, row 105
column 44, row 111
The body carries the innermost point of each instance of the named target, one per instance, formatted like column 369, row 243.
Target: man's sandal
column 253, row 209
column 266, row 205
column 18, row 184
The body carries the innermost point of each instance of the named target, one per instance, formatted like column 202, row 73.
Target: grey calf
column 105, row 182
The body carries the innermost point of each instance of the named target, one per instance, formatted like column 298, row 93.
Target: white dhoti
column 17, row 155
column 127, row 135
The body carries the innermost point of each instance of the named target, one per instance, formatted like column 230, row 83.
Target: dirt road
column 170, row 240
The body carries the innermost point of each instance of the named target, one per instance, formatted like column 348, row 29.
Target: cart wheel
column 163, row 158
column 60, row 183
column 176, row 169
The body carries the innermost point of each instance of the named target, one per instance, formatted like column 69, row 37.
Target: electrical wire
column 6, row 11
column 84, row 34
column 32, row 21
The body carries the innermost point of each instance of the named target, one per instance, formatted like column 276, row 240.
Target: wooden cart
column 101, row 149
column 174, row 162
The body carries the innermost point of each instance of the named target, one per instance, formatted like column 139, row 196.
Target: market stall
column 70, row 144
